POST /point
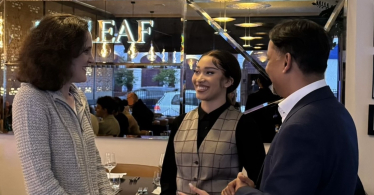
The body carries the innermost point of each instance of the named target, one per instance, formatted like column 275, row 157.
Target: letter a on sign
column 125, row 31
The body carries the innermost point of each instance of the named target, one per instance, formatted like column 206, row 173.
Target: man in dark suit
column 315, row 151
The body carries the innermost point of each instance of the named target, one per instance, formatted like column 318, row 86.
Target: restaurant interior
column 151, row 47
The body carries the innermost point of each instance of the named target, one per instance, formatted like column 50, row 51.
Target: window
column 175, row 100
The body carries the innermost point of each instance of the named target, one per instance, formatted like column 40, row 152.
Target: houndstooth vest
column 216, row 162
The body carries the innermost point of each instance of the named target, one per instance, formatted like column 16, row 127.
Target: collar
column 287, row 104
column 216, row 112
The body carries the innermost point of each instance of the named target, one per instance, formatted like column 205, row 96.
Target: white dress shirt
column 287, row 104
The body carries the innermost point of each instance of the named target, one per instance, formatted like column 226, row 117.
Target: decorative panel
column 19, row 19
column 88, row 86
column 103, row 81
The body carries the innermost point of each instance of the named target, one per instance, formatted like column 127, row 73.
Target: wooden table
column 131, row 188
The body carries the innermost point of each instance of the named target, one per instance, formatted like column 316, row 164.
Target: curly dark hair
column 47, row 52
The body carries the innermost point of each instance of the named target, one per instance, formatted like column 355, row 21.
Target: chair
column 135, row 170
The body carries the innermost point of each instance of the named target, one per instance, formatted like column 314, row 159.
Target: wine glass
column 161, row 161
column 156, row 178
column 110, row 162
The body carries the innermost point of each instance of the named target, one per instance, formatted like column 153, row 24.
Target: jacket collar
column 319, row 94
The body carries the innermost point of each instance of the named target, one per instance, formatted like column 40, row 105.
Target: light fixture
column 151, row 53
column 224, row 19
column 247, row 45
column 260, row 44
column 174, row 57
column 257, row 47
column 262, row 58
column 190, row 63
column 105, row 50
column 261, row 33
column 132, row 52
column 163, row 55
column 248, row 38
column 249, row 25
column 249, row 5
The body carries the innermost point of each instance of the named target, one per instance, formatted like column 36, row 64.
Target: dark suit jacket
column 143, row 115
column 315, row 151
column 266, row 118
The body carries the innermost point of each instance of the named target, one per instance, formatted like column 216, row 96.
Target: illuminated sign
column 107, row 35
column 106, row 29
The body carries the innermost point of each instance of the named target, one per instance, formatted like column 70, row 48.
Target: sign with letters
column 106, row 31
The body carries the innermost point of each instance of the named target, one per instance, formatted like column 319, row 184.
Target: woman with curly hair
column 51, row 118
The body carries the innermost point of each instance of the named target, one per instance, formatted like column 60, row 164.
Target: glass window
column 175, row 100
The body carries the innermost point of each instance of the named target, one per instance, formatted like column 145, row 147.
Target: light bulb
column 105, row 50
column 151, row 54
column 132, row 52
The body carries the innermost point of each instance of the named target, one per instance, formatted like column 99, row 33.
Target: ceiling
column 174, row 8
column 200, row 35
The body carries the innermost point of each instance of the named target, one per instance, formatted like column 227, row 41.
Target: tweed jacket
column 56, row 144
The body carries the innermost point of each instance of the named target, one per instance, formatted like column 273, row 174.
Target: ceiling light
column 246, row 25
column 247, row 45
column 257, row 47
column 223, row 19
column 261, row 33
column 263, row 58
column 246, row 38
column 249, row 5
column 260, row 44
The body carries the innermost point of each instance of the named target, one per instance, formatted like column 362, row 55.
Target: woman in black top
column 210, row 145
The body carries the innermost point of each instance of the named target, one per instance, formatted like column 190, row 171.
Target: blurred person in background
column 105, row 108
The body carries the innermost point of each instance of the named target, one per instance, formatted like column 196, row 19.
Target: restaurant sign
column 107, row 35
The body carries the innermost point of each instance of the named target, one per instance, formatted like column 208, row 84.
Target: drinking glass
column 115, row 182
column 156, row 178
column 110, row 162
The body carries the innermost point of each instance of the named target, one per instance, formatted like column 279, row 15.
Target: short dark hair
column 306, row 41
column 229, row 64
column 47, row 52
column 125, row 102
column 107, row 103
column 120, row 106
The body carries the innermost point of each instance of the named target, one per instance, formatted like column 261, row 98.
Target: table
column 131, row 188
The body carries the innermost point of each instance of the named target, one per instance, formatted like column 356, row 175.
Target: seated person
column 142, row 114
column 95, row 124
column 133, row 125
column 121, row 118
column 105, row 109
column 268, row 118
